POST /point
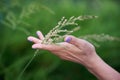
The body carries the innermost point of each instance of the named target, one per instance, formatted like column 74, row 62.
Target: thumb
column 73, row 40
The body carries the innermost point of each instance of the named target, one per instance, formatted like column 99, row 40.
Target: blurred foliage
column 21, row 18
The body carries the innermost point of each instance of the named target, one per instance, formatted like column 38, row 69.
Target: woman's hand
column 79, row 51
column 73, row 49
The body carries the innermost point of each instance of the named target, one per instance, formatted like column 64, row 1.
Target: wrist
column 93, row 61
column 99, row 69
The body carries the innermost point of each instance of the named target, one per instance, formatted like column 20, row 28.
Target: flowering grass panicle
column 58, row 32
column 96, row 38
column 100, row 37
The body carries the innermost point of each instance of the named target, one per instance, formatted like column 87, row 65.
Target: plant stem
column 26, row 66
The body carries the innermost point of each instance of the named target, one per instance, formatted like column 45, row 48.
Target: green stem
column 20, row 75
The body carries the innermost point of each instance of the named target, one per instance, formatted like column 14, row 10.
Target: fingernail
column 29, row 39
column 38, row 32
column 68, row 39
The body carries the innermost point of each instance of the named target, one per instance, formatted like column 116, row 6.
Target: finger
column 46, row 47
column 73, row 40
column 67, row 46
column 40, row 35
column 33, row 39
column 70, row 47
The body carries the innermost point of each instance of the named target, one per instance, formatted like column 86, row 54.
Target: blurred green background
column 21, row 18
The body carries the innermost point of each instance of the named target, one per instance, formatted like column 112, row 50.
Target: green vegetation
column 20, row 18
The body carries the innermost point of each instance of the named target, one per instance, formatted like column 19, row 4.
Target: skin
column 78, row 51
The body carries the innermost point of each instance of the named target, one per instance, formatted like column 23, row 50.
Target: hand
column 73, row 49
column 79, row 51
